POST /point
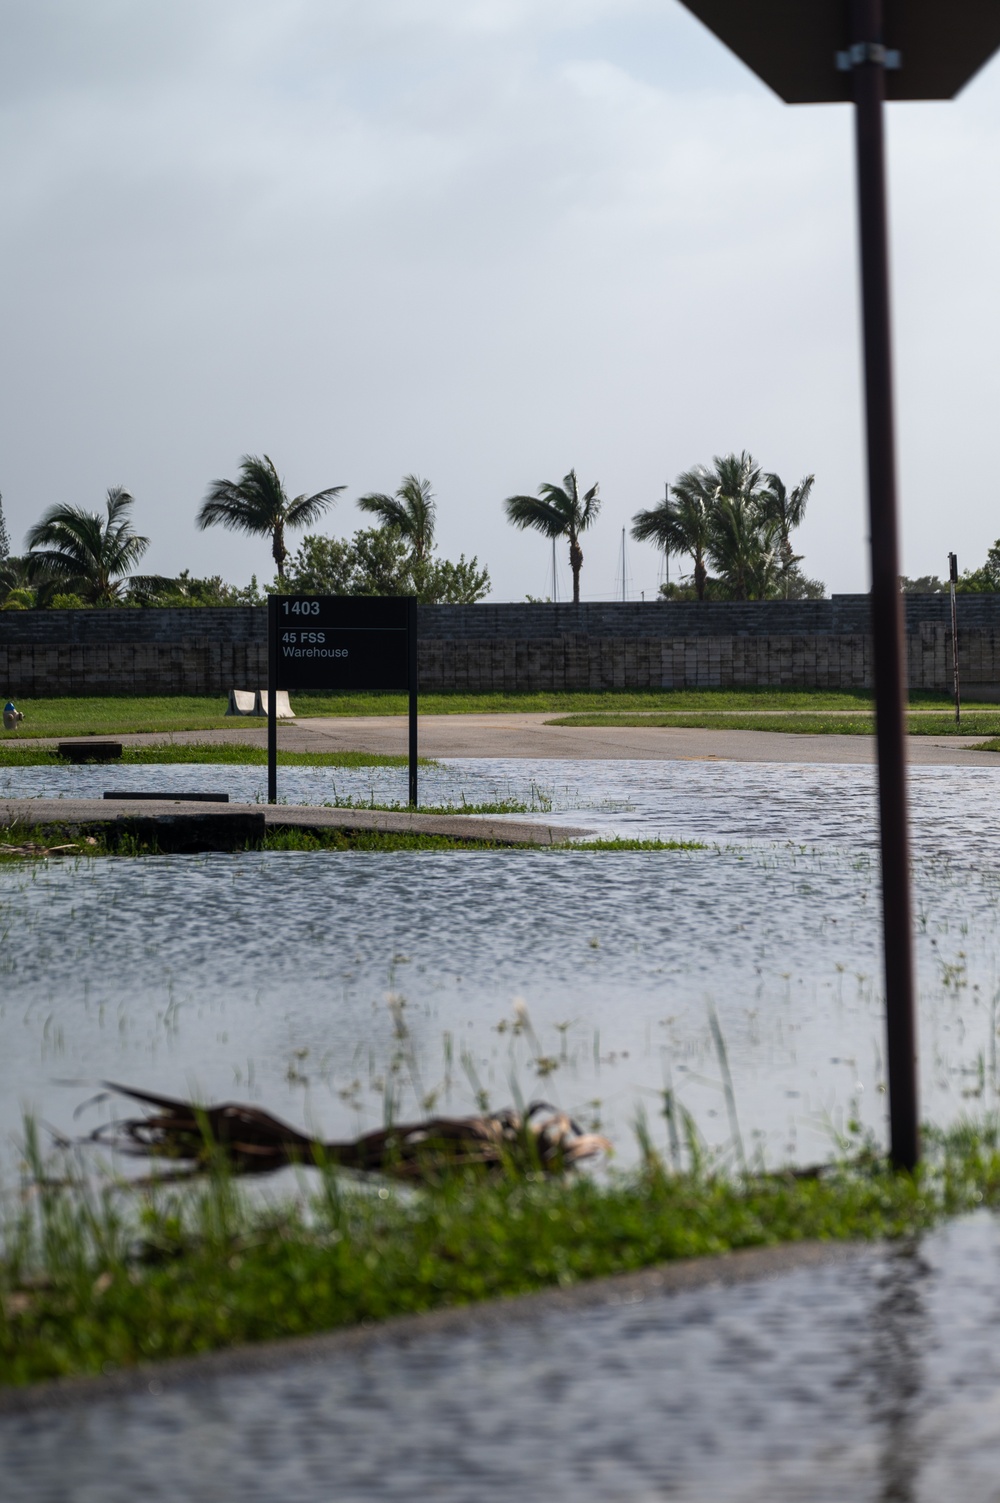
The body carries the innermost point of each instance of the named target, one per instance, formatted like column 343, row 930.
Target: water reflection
column 900, row 1329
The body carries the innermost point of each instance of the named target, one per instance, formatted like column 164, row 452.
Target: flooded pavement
column 333, row 988
column 337, row 987
column 872, row 1380
column 954, row 810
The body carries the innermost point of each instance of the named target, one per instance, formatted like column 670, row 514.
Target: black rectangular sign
column 341, row 642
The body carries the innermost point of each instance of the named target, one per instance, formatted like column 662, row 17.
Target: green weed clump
column 93, row 1279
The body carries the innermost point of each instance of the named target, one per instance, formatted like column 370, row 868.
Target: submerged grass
column 298, row 839
column 24, row 842
column 20, row 843
column 618, row 843
column 92, row 1280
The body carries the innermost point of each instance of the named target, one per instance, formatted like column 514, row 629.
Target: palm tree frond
column 306, row 509
column 533, row 511
column 257, row 505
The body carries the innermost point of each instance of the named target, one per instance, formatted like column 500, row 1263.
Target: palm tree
column 744, row 548
column 682, row 524
column 559, row 512
column 89, row 554
column 743, row 544
column 410, row 513
column 257, row 504
column 787, row 508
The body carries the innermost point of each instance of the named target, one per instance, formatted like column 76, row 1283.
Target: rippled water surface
column 331, row 986
column 954, row 810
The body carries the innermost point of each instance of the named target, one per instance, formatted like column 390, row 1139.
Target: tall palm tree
column 410, row 513
column 743, row 545
column 89, row 554
column 744, row 548
column 559, row 511
column 787, row 508
column 682, row 523
column 257, row 504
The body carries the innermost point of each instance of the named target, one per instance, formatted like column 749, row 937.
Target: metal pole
column 272, row 699
column 887, row 616
column 411, row 622
column 953, row 581
column 666, row 498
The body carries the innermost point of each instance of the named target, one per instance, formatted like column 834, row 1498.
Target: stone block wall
column 510, row 648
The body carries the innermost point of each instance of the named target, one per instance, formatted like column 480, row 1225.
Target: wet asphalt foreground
column 875, row 1377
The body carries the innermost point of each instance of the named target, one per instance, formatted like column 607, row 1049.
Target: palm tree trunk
column 576, row 564
column 700, row 574
column 278, row 550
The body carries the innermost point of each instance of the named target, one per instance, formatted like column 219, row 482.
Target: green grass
column 297, row 839
column 977, row 723
column 94, row 1281
column 108, row 716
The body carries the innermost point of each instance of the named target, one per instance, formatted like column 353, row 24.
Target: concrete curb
column 685, row 1275
column 180, row 826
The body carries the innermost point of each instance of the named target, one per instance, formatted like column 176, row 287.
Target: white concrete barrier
column 255, row 702
column 242, row 702
column 282, row 709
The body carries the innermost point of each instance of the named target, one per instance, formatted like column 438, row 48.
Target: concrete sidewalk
column 180, row 826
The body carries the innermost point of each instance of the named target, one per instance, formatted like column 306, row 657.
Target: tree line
column 732, row 518
column 77, row 557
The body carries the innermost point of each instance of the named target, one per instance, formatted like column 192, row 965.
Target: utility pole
column 953, row 581
column 867, row 61
column 666, row 498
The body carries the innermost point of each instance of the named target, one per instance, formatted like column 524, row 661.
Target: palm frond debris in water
column 251, row 1141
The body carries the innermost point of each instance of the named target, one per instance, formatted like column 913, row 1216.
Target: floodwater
column 875, row 1380
column 334, row 988
column 954, row 810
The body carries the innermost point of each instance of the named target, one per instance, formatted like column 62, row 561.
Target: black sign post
column 868, row 51
column 357, row 643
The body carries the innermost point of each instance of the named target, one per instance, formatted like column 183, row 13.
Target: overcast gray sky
column 481, row 240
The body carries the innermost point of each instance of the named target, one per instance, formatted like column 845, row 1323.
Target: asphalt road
column 531, row 737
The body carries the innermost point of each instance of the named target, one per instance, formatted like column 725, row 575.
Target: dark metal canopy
column 793, row 44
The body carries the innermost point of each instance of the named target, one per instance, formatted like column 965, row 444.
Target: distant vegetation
column 737, row 520
column 982, row 581
column 77, row 558
column 733, row 520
